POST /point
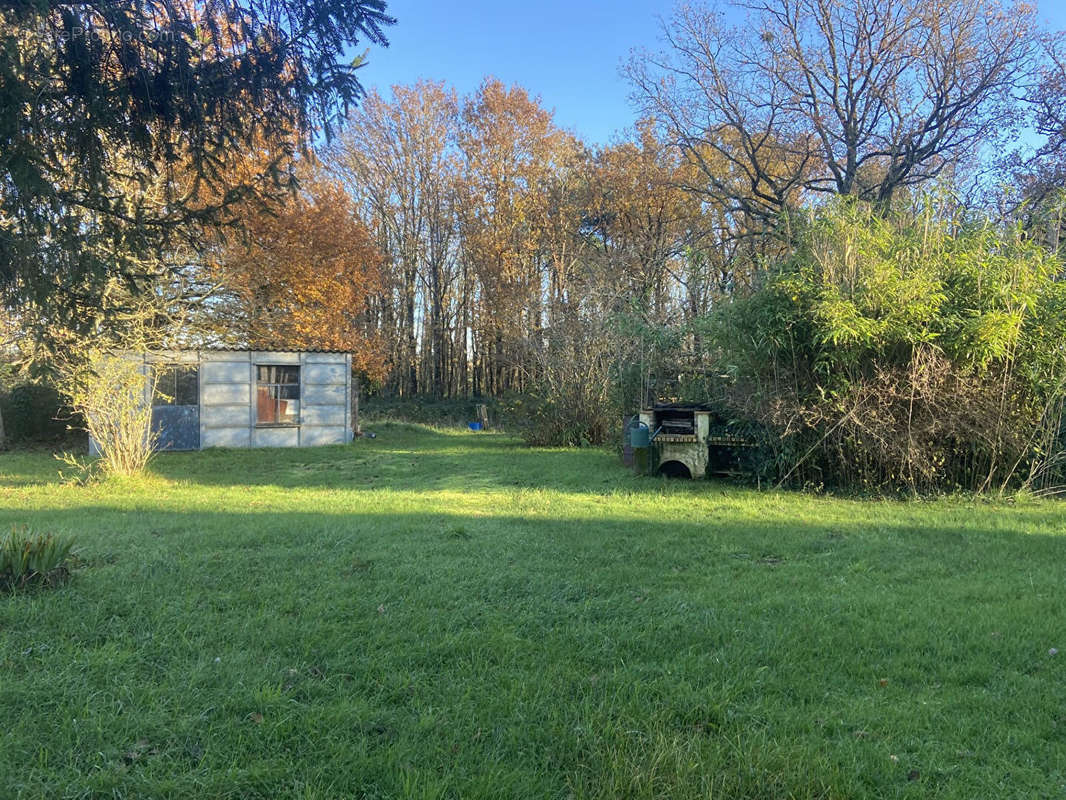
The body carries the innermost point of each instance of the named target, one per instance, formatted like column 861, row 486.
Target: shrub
column 112, row 393
column 442, row 412
column 33, row 412
column 912, row 352
column 571, row 401
column 564, row 418
column 28, row 559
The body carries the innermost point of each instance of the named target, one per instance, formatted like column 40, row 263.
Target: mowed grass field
column 438, row 614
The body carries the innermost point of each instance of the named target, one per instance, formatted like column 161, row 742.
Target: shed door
column 176, row 407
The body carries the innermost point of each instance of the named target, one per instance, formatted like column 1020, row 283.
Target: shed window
column 177, row 386
column 278, row 395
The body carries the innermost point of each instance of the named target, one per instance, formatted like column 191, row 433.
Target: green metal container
column 640, row 436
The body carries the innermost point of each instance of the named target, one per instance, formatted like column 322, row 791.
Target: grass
column 438, row 614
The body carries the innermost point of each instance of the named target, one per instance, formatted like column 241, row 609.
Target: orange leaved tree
column 299, row 276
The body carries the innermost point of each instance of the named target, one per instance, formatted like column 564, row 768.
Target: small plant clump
column 33, row 559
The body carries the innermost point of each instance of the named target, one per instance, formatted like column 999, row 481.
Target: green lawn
column 438, row 614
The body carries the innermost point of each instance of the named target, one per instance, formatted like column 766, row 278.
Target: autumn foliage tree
column 641, row 217
column 299, row 276
column 520, row 260
column 512, row 150
column 509, row 245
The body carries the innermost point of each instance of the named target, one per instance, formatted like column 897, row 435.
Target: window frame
column 165, row 370
column 277, row 386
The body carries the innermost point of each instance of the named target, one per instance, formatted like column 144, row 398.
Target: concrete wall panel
column 225, row 437
column 225, row 372
column 324, row 373
column 274, row 357
column 169, row 357
column 323, row 435
column 322, row 415
column 275, row 437
column 225, row 416
column 223, row 355
column 215, row 394
column 323, row 395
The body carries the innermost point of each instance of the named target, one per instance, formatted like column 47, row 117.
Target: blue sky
column 568, row 53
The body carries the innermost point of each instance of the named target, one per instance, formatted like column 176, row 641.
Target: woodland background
column 838, row 222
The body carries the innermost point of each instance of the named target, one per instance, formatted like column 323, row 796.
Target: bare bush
column 113, row 394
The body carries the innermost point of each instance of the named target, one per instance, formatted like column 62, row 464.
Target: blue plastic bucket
column 474, row 426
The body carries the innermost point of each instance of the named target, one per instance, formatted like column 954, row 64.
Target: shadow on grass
column 885, row 544
column 582, row 645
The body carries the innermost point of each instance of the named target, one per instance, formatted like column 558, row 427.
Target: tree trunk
column 356, row 428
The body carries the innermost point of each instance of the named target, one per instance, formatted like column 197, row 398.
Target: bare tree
column 1049, row 96
column 398, row 159
column 1038, row 175
column 859, row 97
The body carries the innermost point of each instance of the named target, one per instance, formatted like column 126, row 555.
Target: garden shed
column 250, row 398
